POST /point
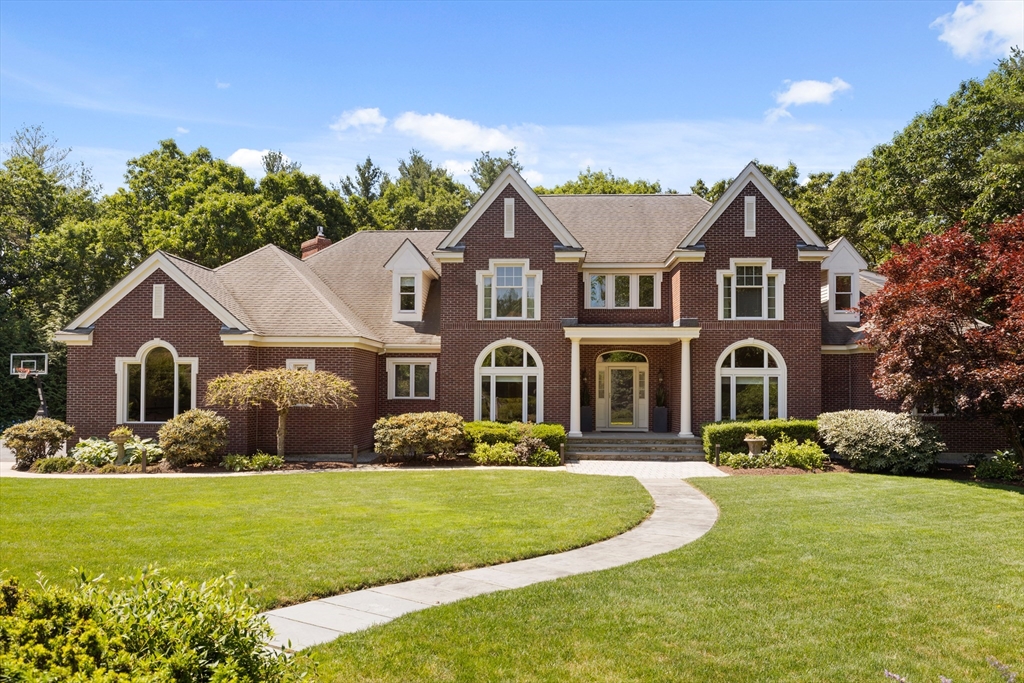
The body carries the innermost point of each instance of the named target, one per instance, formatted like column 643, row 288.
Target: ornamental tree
column 282, row 388
column 948, row 326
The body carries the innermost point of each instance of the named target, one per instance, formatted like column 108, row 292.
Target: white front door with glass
column 622, row 390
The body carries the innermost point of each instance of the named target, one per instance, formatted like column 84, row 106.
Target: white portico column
column 574, row 390
column 685, row 399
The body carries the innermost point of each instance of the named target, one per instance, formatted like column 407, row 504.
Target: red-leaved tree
column 948, row 326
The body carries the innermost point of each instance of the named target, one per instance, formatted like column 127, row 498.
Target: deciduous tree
column 604, row 182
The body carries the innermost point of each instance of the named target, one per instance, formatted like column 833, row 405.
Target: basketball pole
column 43, row 410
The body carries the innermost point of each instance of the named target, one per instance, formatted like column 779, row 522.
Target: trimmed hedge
column 880, row 441
column 419, row 434
column 729, row 435
column 484, row 431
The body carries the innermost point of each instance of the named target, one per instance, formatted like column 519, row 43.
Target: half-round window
column 510, row 384
column 623, row 357
column 752, row 383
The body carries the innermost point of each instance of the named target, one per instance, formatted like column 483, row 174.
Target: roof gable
column 408, row 258
column 510, row 176
column 844, row 257
column 752, row 174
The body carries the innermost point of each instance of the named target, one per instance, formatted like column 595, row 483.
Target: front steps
column 634, row 446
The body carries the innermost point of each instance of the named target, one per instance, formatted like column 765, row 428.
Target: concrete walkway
column 645, row 469
column 681, row 515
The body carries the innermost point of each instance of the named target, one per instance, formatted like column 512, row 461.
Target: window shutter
column 510, row 217
column 750, row 216
column 158, row 301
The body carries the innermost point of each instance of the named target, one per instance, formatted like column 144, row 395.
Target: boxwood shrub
column 419, row 434
column 880, row 441
column 195, row 436
column 729, row 435
column 485, row 431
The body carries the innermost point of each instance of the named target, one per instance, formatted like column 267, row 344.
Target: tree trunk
column 282, row 415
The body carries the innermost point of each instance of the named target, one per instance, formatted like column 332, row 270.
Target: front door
column 622, row 397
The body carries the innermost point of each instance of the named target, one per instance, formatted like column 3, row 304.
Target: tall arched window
column 751, row 382
column 509, row 383
column 156, row 384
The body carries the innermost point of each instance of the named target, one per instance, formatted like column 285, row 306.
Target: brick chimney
column 318, row 243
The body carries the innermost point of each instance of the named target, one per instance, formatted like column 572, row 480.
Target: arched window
column 509, row 383
column 751, row 382
column 156, row 384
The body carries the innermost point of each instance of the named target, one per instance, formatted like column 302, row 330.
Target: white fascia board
column 407, row 257
column 633, row 334
column 448, row 256
column 821, row 256
column 158, row 261
column 685, row 256
column 646, row 268
column 570, row 256
column 843, row 256
column 252, row 339
column 510, row 176
column 845, row 349
column 752, row 174
column 411, row 348
column 73, row 338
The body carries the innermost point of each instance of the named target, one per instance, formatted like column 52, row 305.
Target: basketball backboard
column 39, row 363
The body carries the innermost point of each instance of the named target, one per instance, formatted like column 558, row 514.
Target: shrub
column 52, row 465
column 257, row 463
column 485, row 431
column 146, row 628
column 35, row 439
column 502, row 453
column 1002, row 466
column 730, row 435
column 94, row 452
column 553, row 435
column 419, row 434
column 880, row 441
column 194, row 436
column 545, row 458
column 786, row 452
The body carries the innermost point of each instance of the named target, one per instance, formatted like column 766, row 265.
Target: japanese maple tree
column 948, row 326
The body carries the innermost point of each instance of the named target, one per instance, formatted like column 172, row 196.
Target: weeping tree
column 282, row 388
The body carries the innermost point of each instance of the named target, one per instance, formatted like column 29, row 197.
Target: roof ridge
column 320, row 295
column 623, row 194
column 245, row 256
column 185, row 260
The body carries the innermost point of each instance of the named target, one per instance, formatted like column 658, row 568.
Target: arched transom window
column 510, row 384
column 156, row 385
column 751, row 383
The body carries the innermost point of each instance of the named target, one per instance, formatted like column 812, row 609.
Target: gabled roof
column 510, row 176
column 752, row 174
column 406, row 254
column 843, row 252
column 628, row 228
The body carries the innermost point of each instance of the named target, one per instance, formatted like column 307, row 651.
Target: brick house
column 732, row 310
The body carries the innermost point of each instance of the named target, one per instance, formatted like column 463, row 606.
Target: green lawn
column 299, row 536
column 830, row 577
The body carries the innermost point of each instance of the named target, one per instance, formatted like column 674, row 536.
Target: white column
column 685, row 400
column 574, row 390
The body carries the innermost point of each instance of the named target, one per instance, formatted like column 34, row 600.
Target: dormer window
column 411, row 276
column 844, row 293
column 407, row 293
column 509, row 290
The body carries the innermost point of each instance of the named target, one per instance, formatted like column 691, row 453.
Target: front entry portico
column 623, row 379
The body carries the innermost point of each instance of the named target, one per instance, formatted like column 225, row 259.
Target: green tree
column 486, row 168
column 604, row 182
column 422, row 197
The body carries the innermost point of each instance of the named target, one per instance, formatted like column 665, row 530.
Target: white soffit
column 752, row 174
column 510, row 177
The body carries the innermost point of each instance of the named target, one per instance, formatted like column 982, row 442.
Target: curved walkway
column 681, row 514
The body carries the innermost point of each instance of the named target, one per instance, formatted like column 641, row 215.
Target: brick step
column 632, row 449
column 637, row 455
column 675, row 441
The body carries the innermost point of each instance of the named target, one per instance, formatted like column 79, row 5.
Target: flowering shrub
column 38, row 438
column 879, row 441
column 1002, row 466
column 195, row 436
column 419, row 434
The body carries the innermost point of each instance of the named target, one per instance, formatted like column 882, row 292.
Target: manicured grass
column 300, row 536
column 831, row 577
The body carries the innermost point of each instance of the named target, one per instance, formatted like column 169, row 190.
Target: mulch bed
column 773, row 471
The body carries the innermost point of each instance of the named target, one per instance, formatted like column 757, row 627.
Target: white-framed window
column 750, row 382
column 411, row 378
column 622, row 290
column 154, row 385
column 406, row 296
column 509, row 383
column 750, row 290
column 844, row 292
column 300, row 364
column 509, row 290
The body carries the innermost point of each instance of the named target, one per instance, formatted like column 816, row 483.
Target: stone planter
column 755, row 445
column 586, row 418
column 119, row 441
column 660, row 419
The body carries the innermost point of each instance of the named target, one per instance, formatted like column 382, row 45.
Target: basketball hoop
column 23, row 373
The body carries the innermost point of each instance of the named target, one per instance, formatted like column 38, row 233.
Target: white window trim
column 397, row 314
column 835, row 314
column 510, row 217
column 121, row 372
column 780, row 286
column 392, row 362
column 291, row 363
column 158, row 301
column 492, row 266
column 634, row 290
column 750, row 216
column 479, row 371
column 781, row 372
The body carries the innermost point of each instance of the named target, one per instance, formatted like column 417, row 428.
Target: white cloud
column 181, row 130
column 805, row 92
column 221, row 85
column 251, row 160
column 369, row 119
column 533, row 177
column 984, row 28
column 450, row 134
column 459, row 169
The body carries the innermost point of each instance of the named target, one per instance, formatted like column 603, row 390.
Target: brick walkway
column 645, row 469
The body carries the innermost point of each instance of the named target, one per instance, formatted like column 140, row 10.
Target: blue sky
column 662, row 91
